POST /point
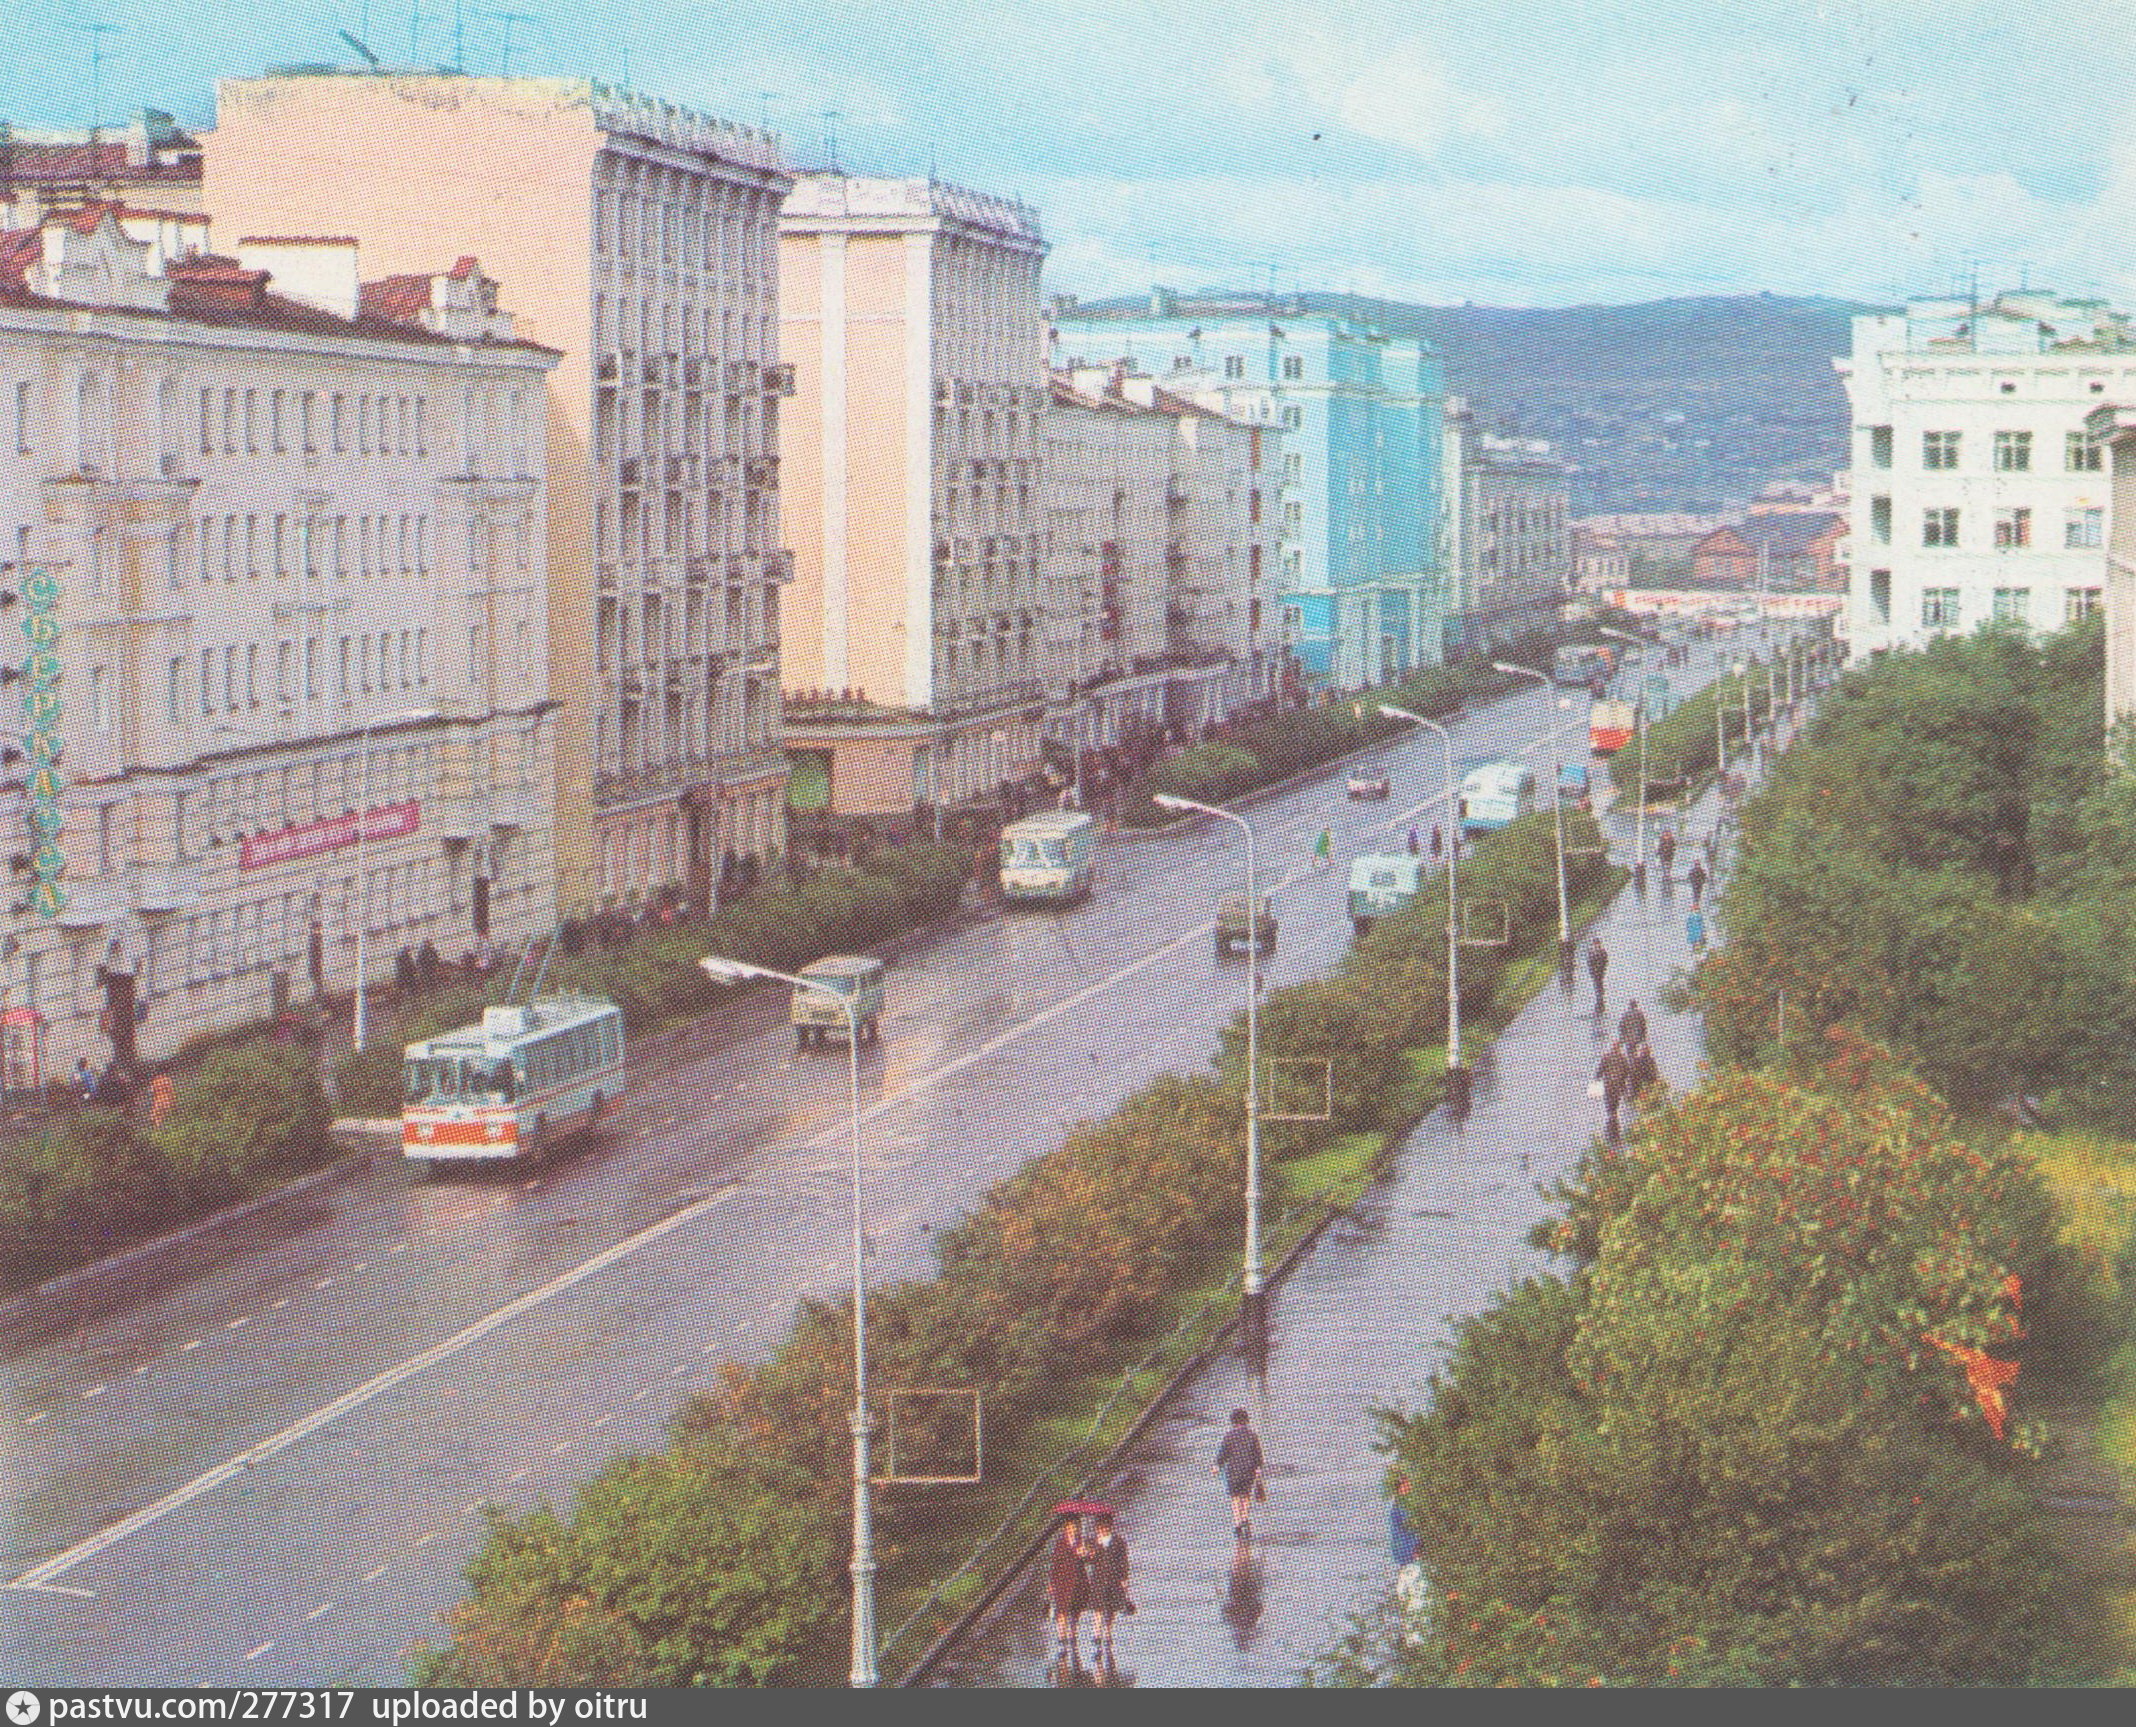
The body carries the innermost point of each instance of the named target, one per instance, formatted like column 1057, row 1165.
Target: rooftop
column 827, row 197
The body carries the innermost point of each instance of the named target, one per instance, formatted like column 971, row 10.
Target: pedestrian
column 1401, row 1533
column 1597, row 968
column 1239, row 1462
column 1106, row 1558
column 1646, row 1071
column 162, row 1094
column 1438, row 843
column 1695, row 931
column 1614, row 1075
column 1323, row 850
column 1632, row 1028
column 1416, row 846
column 428, row 962
column 1698, row 879
column 1068, row 1586
column 84, row 1078
column 1665, row 850
column 1713, row 851
column 404, row 971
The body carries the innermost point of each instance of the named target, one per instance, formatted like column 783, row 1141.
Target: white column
column 919, row 469
column 837, row 621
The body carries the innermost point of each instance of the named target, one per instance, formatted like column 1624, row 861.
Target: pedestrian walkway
column 1360, row 1323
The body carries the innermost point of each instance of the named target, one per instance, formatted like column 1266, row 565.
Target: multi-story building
column 2112, row 429
column 641, row 239
column 1361, row 584
column 1599, row 560
column 1160, row 543
column 150, row 162
column 273, row 541
column 914, row 659
column 1508, row 532
column 1774, row 551
column 1977, row 494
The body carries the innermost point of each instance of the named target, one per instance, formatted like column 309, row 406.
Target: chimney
column 320, row 273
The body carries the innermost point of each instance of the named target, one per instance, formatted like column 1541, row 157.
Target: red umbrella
column 1082, row 1508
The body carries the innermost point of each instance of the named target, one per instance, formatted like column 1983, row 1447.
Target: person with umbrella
column 1068, row 1582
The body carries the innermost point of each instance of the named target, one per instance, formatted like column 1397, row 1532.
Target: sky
column 1508, row 152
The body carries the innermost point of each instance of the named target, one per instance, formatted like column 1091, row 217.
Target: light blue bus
column 1495, row 794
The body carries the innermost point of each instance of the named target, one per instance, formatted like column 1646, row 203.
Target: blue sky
column 1521, row 152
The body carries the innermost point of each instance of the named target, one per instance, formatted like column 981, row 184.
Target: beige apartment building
column 640, row 239
column 1162, row 534
column 915, row 662
column 273, row 541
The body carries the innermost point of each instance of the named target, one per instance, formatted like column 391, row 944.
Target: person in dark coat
column 1646, row 1071
column 1105, row 1557
column 1239, row 1462
column 1698, row 879
column 1597, row 968
column 1615, row 1073
column 1665, row 851
column 1438, row 843
column 1632, row 1028
column 1068, row 1585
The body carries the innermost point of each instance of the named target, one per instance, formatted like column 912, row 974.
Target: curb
column 15, row 1309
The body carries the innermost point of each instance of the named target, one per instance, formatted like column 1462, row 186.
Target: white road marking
column 35, row 1419
column 424, row 1540
column 518, row 1475
column 374, row 1576
column 188, row 1348
column 322, row 1283
column 261, row 1650
column 640, row 1398
column 360, row 1265
column 239, row 1323
column 143, row 1368
column 319, row 1612
column 708, row 1349
column 559, row 1449
column 398, row 1247
column 278, row 1306
column 680, row 1370
column 61, row 1563
column 603, row 1420
column 93, row 1391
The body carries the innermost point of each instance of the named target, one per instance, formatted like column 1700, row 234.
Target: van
column 1380, row 885
column 1495, row 794
column 817, row 1019
column 1049, row 858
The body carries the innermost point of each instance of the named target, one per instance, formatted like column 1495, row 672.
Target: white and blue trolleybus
column 513, row 1086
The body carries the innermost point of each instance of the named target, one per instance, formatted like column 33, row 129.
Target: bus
column 1051, row 857
column 1611, row 725
column 512, row 1087
column 1582, row 664
column 1495, row 794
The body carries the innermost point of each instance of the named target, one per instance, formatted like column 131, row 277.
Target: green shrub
column 246, row 1116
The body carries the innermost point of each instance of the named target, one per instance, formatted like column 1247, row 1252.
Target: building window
column 1939, row 451
column 2081, row 455
column 2013, row 606
column 1880, row 446
column 2083, row 530
column 2013, row 452
column 1293, row 418
column 2013, row 530
column 1293, row 367
column 174, row 702
column 1880, row 520
column 2079, row 603
column 1880, row 595
column 1234, row 366
column 1939, row 608
column 1939, row 528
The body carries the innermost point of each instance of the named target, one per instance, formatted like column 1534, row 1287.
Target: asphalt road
column 271, row 1471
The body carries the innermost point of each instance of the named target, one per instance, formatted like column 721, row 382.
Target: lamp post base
column 1460, row 1085
column 1253, row 1323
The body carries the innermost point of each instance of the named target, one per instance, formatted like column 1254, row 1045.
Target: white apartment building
column 273, row 540
column 1977, row 494
column 914, row 655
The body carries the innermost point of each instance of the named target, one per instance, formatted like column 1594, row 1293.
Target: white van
column 1051, row 857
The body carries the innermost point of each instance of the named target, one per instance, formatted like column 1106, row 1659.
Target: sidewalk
column 1362, row 1322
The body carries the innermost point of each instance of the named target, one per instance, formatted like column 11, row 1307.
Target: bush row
column 716, row 1561
column 1720, row 1449
column 655, row 980
column 96, row 1179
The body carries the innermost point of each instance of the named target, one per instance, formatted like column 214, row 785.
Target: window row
column 2083, row 529
column 2010, row 452
column 234, row 678
column 365, row 546
column 272, row 422
column 1944, row 608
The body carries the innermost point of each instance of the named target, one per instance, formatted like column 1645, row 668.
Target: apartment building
column 1977, row 494
column 640, row 238
column 914, row 656
column 273, row 537
column 1361, row 585
column 1508, row 532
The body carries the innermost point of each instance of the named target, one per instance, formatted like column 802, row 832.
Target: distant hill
column 1665, row 405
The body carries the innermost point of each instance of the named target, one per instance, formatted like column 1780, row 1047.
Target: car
column 1368, row 783
column 1234, row 930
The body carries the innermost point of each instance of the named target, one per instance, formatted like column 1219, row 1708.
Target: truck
column 817, row 1019
column 1381, row 883
column 1049, row 858
column 1495, row 794
column 1235, row 929
column 1582, row 663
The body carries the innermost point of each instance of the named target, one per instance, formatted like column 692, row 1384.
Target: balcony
column 779, row 379
column 763, row 471
column 605, row 369
column 652, row 370
column 631, row 471
column 164, row 887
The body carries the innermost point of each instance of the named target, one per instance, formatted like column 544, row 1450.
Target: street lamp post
column 414, row 716
column 1557, row 803
column 1253, row 1294
column 863, row 1674
column 1457, row 1077
column 1639, row 815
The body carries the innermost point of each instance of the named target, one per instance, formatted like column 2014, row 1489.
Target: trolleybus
column 513, row 1086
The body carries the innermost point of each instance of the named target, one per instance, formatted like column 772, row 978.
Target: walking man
column 162, row 1097
column 1414, row 846
column 1597, row 968
column 1632, row 1028
column 1239, row 1462
column 1665, row 850
column 1615, row 1073
column 1106, row 1557
column 1695, row 931
column 1438, row 843
column 1698, row 879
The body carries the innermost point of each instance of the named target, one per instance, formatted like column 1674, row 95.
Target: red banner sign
column 389, row 822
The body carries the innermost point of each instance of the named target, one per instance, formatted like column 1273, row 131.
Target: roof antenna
column 830, row 138
column 356, row 42
column 508, row 19
column 97, row 33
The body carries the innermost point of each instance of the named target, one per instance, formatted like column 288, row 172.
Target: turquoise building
column 1360, row 576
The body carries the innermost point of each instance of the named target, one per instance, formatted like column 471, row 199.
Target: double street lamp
column 1457, row 1086
column 863, row 1674
column 1253, row 1293
column 1557, row 802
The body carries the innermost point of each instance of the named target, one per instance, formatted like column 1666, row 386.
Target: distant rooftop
column 830, row 196
column 2029, row 321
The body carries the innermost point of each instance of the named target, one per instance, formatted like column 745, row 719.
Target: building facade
column 277, row 561
column 1361, row 585
column 915, row 656
column 1780, row 550
column 641, row 239
column 1508, row 533
column 1977, row 494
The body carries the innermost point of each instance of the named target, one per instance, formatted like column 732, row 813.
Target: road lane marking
column 143, row 1368
column 360, row 1265
column 518, row 1475
column 61, row 1563
column 278, row 1306
column 374, row 1576
column 398, row 1247
column 93, row 1391
column 640, row 1398
column 603, row 1420
column 319, row 1612
column 35, row 1419
column 261, row 1650
column 188, row 1348
column 426, row 1539
column 239, row 1323
column 559, row 1449
column 322, row 1283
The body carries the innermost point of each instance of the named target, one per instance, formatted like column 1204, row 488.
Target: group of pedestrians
column 1627, row 1068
